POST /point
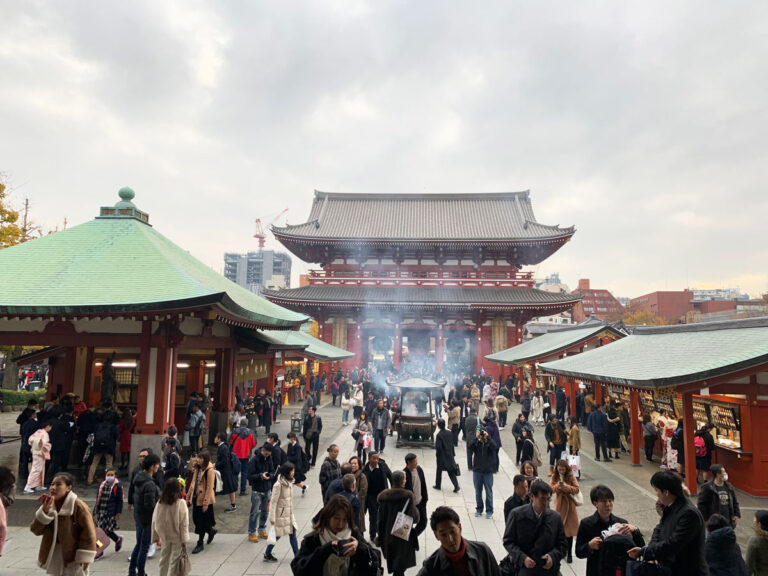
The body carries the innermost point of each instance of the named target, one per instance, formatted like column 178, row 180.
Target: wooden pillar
column 598, row 394
column 164, row 391
column 534, row 381
column 520, row 380
column 690, row 454
column 224, row 395
column 635, row 430
column 439, row 343
column 310, row 368
column 573, row 389
column 479, row 347
column 397, row 356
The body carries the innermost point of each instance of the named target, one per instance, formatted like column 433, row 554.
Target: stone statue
column 108, row 382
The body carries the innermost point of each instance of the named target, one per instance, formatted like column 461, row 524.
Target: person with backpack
column 703, row 444
column 173, row 466
column 196, row 427
column 300, row 461
column 242, row 443
column 260, row 472
column 104, row 444
column 145, row 492
column 225, row 466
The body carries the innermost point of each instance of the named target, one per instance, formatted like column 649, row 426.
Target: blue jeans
column 139, row 554
column 243, row 475
column 483, row 480
column 294, row 545
column 259, row 512
column 439, row 408
column 344, row 416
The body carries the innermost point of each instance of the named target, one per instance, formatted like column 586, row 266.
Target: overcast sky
column 644, row 124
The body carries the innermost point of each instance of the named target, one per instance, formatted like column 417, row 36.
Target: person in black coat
column 534, row 536
column 519, row 496
column 560, row 403
column 335, row 523
column 520, row 431
column 420, row 493
column 400, row 554
column 29, row 427
column 722, row 551
column 717, row 495
column 224, row 466
column 446, row 457
column 589, row 541
column 313, row 426
column 294, row 453
column 678, row 539
column 379, row 476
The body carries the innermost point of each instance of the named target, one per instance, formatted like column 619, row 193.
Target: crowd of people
column 542, row 526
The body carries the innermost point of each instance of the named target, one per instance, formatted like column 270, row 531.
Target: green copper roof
column 120, row 264
column 668, row 356
column 314, row 346
column 548, row 344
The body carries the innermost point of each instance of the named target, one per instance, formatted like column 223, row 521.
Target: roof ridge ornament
column 125, row 208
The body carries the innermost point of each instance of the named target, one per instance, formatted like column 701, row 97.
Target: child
column 40, row 444
column 108, row 507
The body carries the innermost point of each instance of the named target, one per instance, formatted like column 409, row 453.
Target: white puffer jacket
column 281, row 507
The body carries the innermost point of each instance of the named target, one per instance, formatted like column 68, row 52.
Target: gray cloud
column 641, row 123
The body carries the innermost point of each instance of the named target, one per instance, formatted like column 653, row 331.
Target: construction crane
column 260, row 236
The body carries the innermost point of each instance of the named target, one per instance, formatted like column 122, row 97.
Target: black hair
column 285, row 469
column 717, row 521
column 538, row 486
column 331, row 447
column 716, row 469
column 443, row 514
column 291, row 435
column 7, row 478
column 669, row 481
column 273, row 436
column 441, row 423
column 328, row 511
column 267, row 446
column 171, row 491
column 410, row 457
column 69, row 480
column 221, row 436
column 518, row 479
column 150, row 461
column 535, row 470
column 601, row 492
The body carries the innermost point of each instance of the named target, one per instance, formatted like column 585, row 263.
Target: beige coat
column 565, row 506
column 203, row 492
column 72, row 527
column 170, row 522
column 454, row 417
column 502, row 404
column 281, row 508
column 361, row 481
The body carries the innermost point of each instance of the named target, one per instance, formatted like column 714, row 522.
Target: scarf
column 460, row 560
column 335, row 565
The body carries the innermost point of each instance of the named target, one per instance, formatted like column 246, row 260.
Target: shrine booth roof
column 668, row 356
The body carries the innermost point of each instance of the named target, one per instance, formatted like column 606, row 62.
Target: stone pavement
column 231, row 554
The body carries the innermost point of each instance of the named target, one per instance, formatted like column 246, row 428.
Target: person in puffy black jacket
column 722, row 552
column 145, row 493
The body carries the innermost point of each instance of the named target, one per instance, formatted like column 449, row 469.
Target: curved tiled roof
column 504, row 216
column 120, row 265
column 421, row 296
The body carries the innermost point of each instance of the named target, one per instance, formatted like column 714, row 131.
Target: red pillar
column 690, row 454
column 439, row 349
column 478, row 348
column 225, row 388
column 634, row 425
column 520, row 383
column 598, row 394
column 534, row 381
column 397, row 357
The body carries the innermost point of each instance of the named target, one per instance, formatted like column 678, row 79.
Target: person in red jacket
column 243, row 441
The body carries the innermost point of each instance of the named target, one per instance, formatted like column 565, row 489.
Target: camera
column 340, row 545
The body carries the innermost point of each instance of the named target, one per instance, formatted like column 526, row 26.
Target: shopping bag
column 102, row 541
column 185, row 439
column 271, row 536
column 367, row 441
column 183, row 564
column 403, row 523
column 574, row 461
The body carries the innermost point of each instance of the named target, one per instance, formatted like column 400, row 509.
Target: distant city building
column 597, row 302
column 719, row 294
column 256, row 271
column 671, row 305
column 541, row 324
column 623, row 300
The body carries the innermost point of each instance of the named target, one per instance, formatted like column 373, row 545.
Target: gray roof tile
column 488, row 216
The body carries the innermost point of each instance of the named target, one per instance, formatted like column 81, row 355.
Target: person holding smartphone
column 65, row 523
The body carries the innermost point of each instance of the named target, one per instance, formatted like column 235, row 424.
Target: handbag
column 356, row 435
column 457, row 470
column 642, row 568
column 578, row 498
column 183, row 564
column 271, row 536
column 403, row 523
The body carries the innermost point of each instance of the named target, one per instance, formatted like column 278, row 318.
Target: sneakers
column 263, row 535
column 119, row 544
column 269, row 558
column 29, row 491
column 152, row 550
column 489, row 516
column 478, row 514
column 232, row 508
column 40, row 488
column 253, row 537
